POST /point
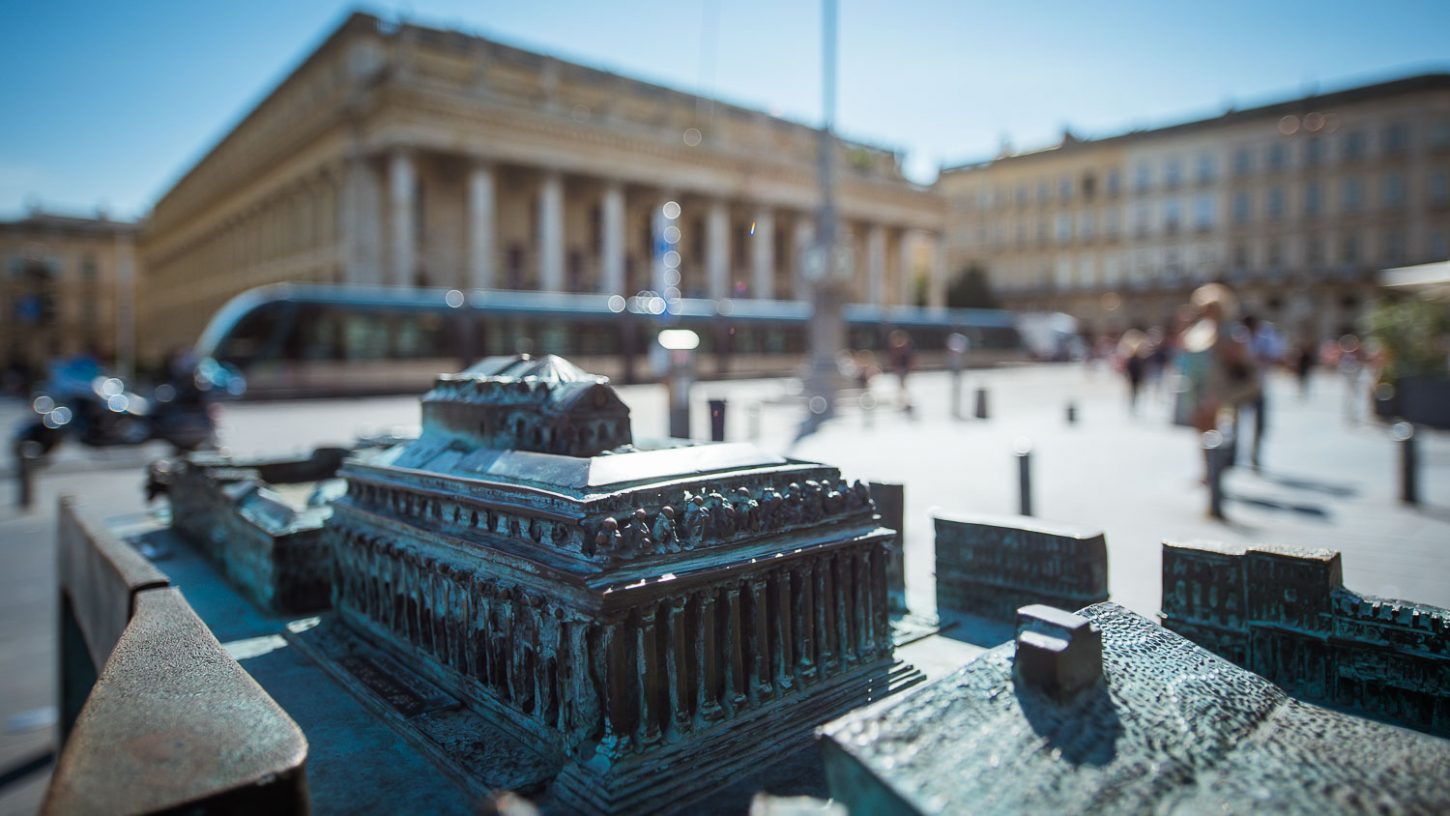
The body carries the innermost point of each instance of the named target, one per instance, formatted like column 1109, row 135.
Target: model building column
column 481, row 232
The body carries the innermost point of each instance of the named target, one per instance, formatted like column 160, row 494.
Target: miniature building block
column 1171, row 728
column 989, row 566
column 1285, row 613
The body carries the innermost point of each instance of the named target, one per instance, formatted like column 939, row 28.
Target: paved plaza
column 1328, row 481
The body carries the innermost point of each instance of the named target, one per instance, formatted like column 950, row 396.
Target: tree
column 971, row 290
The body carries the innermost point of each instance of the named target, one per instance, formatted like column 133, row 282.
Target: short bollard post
column 27, row 454
column 1404, row 434
column 1072, row 413
column 1023, row 450
column 1214, row 456
column 981, row 411
column 717, row 420
column 868, row 408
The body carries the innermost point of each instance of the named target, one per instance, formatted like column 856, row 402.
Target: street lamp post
column 826, row 267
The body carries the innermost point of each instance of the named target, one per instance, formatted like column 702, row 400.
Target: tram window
column 252, row 334
column 554, row 339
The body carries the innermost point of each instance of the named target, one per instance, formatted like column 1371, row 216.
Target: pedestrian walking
column 1266, row 348
column 1216, row 365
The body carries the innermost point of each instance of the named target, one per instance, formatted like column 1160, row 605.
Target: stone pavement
column 1327, row 482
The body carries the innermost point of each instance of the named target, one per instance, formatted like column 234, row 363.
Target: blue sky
column 107, row 104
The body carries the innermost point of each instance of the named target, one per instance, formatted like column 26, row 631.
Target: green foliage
column 971, row 290
column 1415, row 333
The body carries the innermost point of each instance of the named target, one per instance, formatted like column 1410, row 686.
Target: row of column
column 482, row 251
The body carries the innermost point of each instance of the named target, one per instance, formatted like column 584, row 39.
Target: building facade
column 65, row 289
column 403, row 155
column 1296, row 205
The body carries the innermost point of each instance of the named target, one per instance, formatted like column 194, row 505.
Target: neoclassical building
column 403, row 155
column 66, row 286
column 1297, row 205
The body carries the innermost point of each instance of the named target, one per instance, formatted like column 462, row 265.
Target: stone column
column 551, row 232
column 762, row 255
column 905, row 287
column 876, row 264
column 402, row 190
column 359, row 224
column 611, row 240
column 717, row 249
column 482, row 241
column 804, row 235
column 937, row 289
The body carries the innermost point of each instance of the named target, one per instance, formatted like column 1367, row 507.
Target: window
column 1042, row 192
column 1064, row 228
column 88, row 269
column 1439, row 245
column 1140, row 220
column 1087, row 226
column 1349, row 249
column 1276, row 202
column 1241, row 207
column 1022, row 195
column 1111, row 222
column 1114, row 182
column 1394, row 246
column 1276, row 256
column 1314, row 251
column 1354, row 145
column 1438, row 187
column 1144, row 177
column 1393, row 190
column 1313, row 152
column 1240, row 257
column 1278, row 156
column 1171, row 215
column 1313, row 198
column 1089, row 186
column 1440, row 134
column 1397, row 138
column 1173, row 173
column 1064, row 189
column 1243, row 162
column 1203, row 208
column 1207, row 168
column 1353, row 194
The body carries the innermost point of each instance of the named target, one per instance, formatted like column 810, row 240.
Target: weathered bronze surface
column 1169, row 727
column 654, row 618
column 260, row 520
column 1285, row 614
column 174, row 724
column 989, row 566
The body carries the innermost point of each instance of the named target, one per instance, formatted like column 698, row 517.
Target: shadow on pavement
column 1309, row 510
column 1339, row 491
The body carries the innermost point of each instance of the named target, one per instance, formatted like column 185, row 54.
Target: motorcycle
column 103, row 412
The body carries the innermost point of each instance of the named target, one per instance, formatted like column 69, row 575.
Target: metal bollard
column 1072, row 413
column 27, row 454
column 1023, row 450
column 717, row 420
column 981, row 411
column 956, row 394
column 1404, row 434
column 868, row 409
column 1215, row 450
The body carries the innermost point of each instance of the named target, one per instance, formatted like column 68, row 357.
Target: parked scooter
column 103, row 412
